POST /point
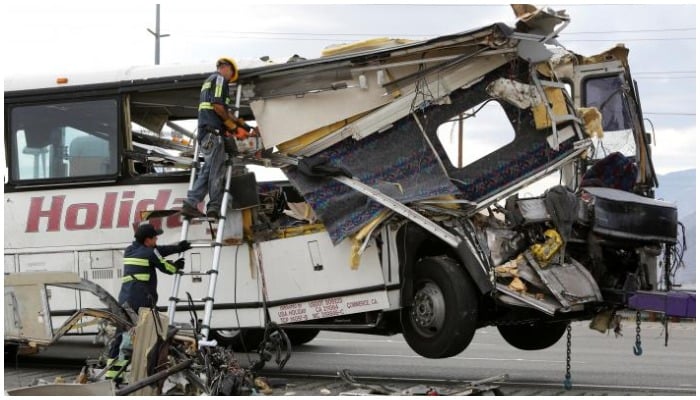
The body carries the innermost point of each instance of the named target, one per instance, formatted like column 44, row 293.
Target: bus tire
column 301, row 336
column 533, row 336
column 225, row 337
column 442, row 317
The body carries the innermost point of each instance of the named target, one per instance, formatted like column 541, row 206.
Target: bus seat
column 89, row 155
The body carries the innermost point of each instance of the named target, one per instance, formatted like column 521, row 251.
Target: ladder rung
column 202, row 219
column 213, row 243
column 202, row 300
column 211, row 271
column 200, row 245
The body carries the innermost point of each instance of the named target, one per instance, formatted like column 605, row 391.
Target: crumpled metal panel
column 570, row 282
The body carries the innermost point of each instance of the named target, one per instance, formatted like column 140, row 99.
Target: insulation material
column 516, row 93
column 555, row 97
column 363, row 45
column 517, row 285
column 509, row 269
column 301, row 211
column 544, row 252
column 592, row 120
column 297, row 144
column 357, row 238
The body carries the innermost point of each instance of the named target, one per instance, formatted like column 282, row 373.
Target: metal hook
column 567, row 384
column 637, row 349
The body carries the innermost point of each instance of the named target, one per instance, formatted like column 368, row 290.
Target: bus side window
column 32, row 161
column 64, row 140
column 88, row 155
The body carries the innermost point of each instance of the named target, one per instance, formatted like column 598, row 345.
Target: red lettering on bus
column 108, row 210
column 53, row 214
column 90, row 219
column 125, row 209
column 85, row 216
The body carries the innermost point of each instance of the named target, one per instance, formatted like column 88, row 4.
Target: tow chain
column 567, row 376
column 637, row 349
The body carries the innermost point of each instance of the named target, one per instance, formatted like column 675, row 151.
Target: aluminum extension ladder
column 217, row 244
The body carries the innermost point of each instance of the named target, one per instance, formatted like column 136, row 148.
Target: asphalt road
column 598, row 360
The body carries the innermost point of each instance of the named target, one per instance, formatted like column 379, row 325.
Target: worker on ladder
column 216, row 129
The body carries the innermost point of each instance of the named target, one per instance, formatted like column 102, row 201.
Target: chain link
column 637, row 349
column 567, row 376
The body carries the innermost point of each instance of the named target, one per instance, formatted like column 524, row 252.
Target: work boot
column 188, row 211
column 214, row 214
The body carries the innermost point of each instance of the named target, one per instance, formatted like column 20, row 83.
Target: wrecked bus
column 384, row 224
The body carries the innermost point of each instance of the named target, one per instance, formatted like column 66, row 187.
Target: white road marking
column 451, row 358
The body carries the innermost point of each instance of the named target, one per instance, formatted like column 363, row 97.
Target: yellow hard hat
column 232, row 63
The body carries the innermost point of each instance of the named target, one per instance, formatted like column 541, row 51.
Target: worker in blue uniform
column 140, row 280
column 216, row 129
column 141, row 259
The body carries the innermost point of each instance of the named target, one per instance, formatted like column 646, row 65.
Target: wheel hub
column 428, row 310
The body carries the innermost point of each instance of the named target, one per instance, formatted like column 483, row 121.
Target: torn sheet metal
column 344, row 86
column 570, row 282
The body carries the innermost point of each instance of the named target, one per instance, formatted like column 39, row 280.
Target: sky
column 70, row 36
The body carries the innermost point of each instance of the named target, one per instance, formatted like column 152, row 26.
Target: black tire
column 301, row 336
column 534, row 336
column 442, row 317
column 225, row 337
column 244, row 340
column 11, row 351
column 249, row 340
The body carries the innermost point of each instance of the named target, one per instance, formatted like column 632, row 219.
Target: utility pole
column 157, row 34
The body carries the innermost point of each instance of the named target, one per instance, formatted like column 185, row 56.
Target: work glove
column 184, row 245
column 179, row 264
column 241, row 133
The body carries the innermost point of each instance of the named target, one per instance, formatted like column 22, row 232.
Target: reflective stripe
column 206, row 86
column 219, row 88
column 205, row 105
column 169, row 267
column 140, row 262
column 114, row 368
column 139, row 277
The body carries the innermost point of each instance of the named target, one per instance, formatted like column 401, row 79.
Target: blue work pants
column 211, row 177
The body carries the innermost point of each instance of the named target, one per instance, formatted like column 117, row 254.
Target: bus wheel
column 301, row 336
column 225, row 337
column 534, row 336
column 442, row 317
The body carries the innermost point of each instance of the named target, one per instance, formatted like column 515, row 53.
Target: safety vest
column 139, row 279
column 116, row 367
column 137, row 264
column 214, row 91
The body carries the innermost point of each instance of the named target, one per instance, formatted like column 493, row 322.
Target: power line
column 664, row 72
column 628, row 31
column 628, row 40
column 220, row 33
column 415, row 34
column 662, row 77
column 669, row 113
column 233, row 36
